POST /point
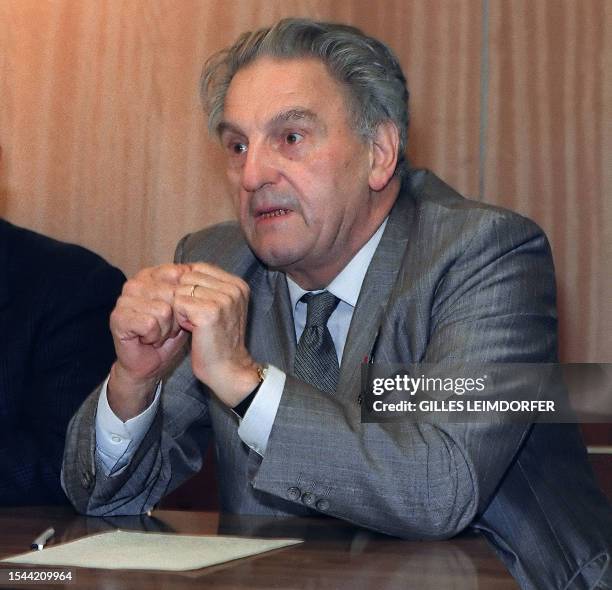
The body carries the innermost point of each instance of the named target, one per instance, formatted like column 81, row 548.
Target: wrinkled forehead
column 268, row 86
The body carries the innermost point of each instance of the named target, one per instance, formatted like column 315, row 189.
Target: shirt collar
column 347, row 284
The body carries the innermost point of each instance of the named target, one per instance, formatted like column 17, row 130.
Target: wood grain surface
column 104, row 142
column 334, row 555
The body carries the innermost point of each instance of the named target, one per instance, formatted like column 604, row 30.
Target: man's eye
column 238, row 148
column 293, row 138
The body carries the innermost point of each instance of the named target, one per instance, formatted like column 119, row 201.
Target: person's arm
column 171, row 450
column 116, row 440
column 70, row 352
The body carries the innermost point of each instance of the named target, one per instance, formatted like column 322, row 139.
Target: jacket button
column 293, row 493
column 323, row 505
column 86, row 480
column 308, row 499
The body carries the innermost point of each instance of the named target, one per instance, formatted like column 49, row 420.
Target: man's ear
column 384, row 148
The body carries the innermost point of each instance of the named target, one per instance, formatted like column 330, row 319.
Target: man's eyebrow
column 294, row 114
column 227, row 127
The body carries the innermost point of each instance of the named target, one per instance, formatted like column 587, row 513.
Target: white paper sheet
column 149, row 551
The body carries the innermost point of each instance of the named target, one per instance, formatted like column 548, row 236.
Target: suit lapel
column 272, row 334
column 282, row 331
column 376, row 293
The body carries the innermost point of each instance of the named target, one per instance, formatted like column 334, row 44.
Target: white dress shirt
column 116, row 441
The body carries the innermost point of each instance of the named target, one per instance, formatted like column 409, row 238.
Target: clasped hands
column 157, row 310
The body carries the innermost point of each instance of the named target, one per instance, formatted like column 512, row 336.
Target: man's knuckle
column 211, row 311
column 116, row 317
column 236, row 292
column 149, row 323
column 244, row 288
column 225, row 300
column 131, row 288
column 165, row 312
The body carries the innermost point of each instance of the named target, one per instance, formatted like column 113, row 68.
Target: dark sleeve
column 65, row 343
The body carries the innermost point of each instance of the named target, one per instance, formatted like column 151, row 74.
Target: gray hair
column 366, row 67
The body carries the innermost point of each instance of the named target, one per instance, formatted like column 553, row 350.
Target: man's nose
column 260, row 167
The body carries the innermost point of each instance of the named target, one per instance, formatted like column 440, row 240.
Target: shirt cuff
column 255, row 427
column 117, row 441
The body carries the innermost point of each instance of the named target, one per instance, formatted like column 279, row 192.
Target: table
column 335, row 554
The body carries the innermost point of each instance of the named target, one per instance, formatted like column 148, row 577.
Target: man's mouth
column 269, row 213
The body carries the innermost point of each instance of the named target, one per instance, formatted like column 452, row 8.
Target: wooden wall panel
column 101, row 127
column 548, row 150
column 103, row 138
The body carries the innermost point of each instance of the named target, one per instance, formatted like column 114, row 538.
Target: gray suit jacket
column 451, row 279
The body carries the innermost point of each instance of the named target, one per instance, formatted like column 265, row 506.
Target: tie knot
column 320, row 307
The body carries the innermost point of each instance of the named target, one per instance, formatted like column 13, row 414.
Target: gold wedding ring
column 193, row 288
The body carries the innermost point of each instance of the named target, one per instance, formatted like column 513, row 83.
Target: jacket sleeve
column 171, row 451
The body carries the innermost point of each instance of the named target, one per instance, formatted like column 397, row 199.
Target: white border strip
column 599, row 450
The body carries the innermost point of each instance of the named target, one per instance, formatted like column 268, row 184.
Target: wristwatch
column 243, row 406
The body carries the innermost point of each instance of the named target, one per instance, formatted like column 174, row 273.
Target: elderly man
column 339, row 248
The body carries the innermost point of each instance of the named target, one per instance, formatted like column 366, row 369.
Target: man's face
column 300, row 171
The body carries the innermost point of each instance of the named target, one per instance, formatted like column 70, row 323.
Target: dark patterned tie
column 316, row 361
